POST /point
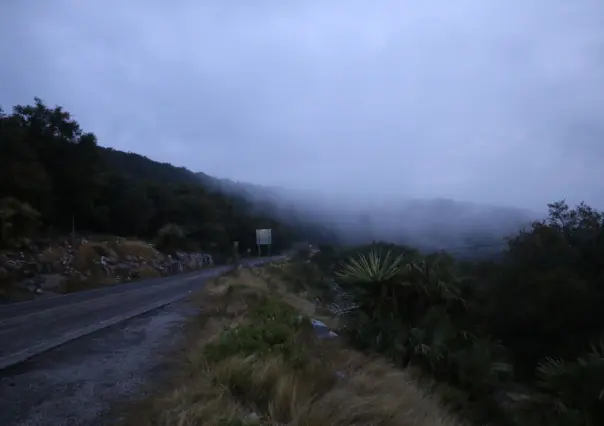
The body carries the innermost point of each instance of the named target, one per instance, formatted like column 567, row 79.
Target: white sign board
column 263, row 237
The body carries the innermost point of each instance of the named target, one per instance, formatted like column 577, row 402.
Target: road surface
column 90, row 381
column 30, row 328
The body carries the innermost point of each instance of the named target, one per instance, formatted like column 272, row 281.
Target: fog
column 464, row 228
column 358, row 104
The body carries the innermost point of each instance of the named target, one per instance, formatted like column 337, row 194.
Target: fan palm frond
column 551, row 373
column 373, row 267
column 574, row 386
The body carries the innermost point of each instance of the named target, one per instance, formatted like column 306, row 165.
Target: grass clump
column 274, row 328
column 134, row 248
column 88, row 255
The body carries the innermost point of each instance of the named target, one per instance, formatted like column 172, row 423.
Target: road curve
column 29, row 328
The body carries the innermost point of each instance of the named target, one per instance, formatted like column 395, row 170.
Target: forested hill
column 48, row 163
column 136, row 166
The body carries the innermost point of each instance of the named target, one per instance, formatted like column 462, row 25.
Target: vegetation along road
column 29, row 328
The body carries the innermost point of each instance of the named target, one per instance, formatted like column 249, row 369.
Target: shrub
column 18, row 221
column 171, row 238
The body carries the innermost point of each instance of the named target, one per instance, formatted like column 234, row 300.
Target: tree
column 549, row 286
column 17, row 220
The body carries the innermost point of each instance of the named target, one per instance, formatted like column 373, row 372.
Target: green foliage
column 545, row 299
column 49, row 163
column 17, row 221
column 274, row 329
column 171, row 237
column 512, row 341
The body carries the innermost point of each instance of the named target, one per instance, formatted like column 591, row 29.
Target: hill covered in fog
column 466, row 228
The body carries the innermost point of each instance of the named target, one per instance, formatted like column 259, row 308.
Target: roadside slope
column 255, row 358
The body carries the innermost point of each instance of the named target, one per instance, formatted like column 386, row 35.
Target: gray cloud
column 498, row 101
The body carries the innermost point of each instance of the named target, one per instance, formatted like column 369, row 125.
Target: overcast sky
column 485, row 100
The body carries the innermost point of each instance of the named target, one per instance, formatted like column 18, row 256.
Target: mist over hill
column 466, row 228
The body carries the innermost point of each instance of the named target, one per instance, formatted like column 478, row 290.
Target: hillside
column 285, row 205
column 431, row 224
column 60, row 177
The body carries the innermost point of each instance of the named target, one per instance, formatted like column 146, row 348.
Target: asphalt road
column 91, row 381
column 30, row 328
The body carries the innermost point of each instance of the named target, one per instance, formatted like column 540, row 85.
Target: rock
column 340, row 375
column 52, row 282
column 321, row 329
column 32, row 284
column 47, row 267
column 251, row 417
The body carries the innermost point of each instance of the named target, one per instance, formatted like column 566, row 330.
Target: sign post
column 263, row 238
column 236, row 253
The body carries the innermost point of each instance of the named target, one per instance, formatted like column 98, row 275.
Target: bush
column 18, row 221
column 171, row 238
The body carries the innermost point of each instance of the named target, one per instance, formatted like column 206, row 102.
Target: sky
column 498, row 101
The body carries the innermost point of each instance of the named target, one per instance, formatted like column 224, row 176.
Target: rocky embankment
column 42, row 270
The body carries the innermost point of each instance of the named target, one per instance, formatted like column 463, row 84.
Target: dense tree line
column 517, row 341
column 54, row 175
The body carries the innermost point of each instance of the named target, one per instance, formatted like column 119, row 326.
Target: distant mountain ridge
column 431, row 224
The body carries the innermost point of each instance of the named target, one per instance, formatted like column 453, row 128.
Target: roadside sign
column 263, row 237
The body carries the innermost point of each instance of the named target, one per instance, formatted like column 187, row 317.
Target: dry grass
column 252, row 359
column 88, row 255
column 147, row 271
column 136, row 248
column 51, row 255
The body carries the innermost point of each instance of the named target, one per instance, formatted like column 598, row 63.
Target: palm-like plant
column 437, row 279
column 373, row 279
column 577, row 385
column 403, row 304
column 567, row 392
column 374, row 267
column 413, row 311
